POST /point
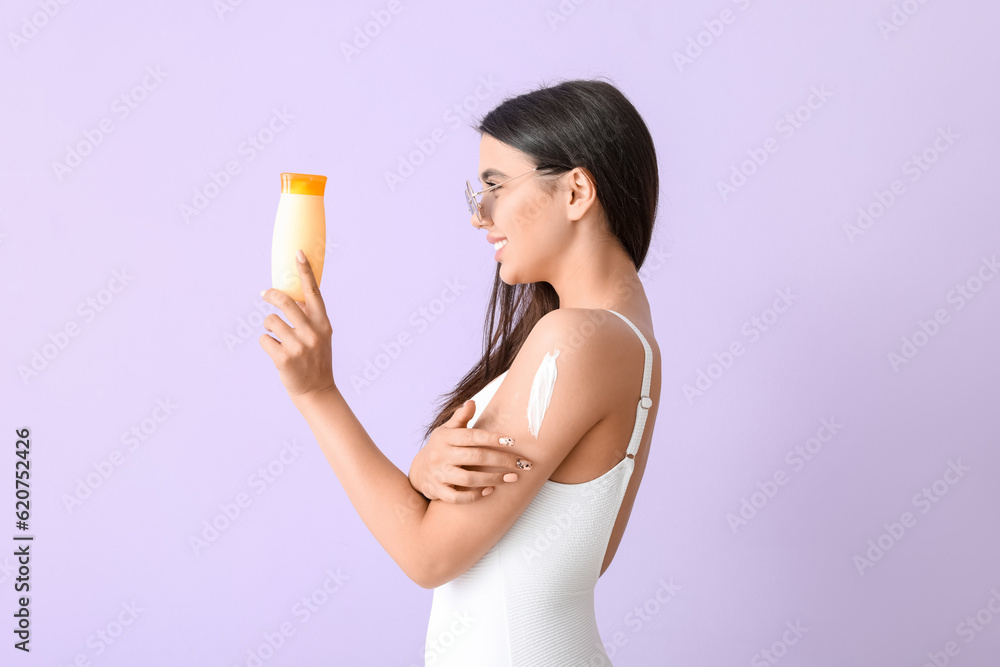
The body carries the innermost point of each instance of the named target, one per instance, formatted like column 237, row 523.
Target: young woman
column 518, row 501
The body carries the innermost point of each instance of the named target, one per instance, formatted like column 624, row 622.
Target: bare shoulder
column 579, row 336
column 562, row 362
column 594, row 350
column 615, row 349
column 600, row 332
column 579, row 328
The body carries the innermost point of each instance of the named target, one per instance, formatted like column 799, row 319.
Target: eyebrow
column 490, row 174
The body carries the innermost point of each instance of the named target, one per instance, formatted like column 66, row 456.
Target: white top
column 530, row 599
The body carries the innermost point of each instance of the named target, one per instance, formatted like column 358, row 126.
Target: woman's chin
column 511, row 277
column 508, row 275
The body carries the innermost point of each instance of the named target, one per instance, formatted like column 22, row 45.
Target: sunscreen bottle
column 300, row 223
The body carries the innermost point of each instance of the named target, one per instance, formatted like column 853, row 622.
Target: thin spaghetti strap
column 645, row 402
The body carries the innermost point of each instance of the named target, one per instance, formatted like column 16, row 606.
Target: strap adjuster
column 645, row 402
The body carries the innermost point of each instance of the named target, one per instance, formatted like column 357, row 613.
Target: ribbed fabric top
column 529, row 601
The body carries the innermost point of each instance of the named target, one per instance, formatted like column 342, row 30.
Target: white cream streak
column 541, row 392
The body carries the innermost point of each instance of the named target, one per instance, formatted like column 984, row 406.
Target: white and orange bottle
column 300, row 223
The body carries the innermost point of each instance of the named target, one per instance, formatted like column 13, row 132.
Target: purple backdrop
column 821, row 488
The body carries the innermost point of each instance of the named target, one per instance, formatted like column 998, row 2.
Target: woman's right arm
column 444, row 464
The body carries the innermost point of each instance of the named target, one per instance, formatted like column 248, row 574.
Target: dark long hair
column 579, row 123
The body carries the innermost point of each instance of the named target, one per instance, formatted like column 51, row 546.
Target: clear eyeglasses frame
column 475, row 206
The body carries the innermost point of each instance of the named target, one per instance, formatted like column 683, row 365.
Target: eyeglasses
column 470, row 197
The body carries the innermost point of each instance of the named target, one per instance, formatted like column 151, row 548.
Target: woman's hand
column 303, row 355
column 437, row 470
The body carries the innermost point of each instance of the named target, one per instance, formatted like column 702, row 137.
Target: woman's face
column 532, row 221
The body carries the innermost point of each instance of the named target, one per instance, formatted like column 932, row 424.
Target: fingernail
column 507, row 441
column 523, row 465
column 301, row 255
column 488, row 490
column 262, row 292
column 510, row 477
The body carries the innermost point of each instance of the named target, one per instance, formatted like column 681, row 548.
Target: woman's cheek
column 533, row 206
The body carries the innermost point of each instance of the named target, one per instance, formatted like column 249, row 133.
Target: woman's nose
column 484, row 213
column 475, row 219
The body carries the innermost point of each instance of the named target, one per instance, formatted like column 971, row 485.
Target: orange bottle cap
column 303, row 184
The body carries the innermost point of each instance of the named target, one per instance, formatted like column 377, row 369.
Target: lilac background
column 184, row 329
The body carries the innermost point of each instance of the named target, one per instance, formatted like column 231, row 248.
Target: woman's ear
column 582, row 193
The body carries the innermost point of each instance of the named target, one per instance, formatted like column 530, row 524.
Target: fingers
column 279, row 327
column 310, row 288
column 271, row 346
column 477, row 437
column 451, row 495
column 460, row 417
column 300, row 314
column 481, row 448
column 455, row 470
column 476, row 486
column 461, row 494
column 295, row 315
column 478, row 479
column 449, row 467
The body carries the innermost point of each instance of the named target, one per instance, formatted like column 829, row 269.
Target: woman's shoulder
column 600, row 336
column 592, row 323
column 576, row 329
